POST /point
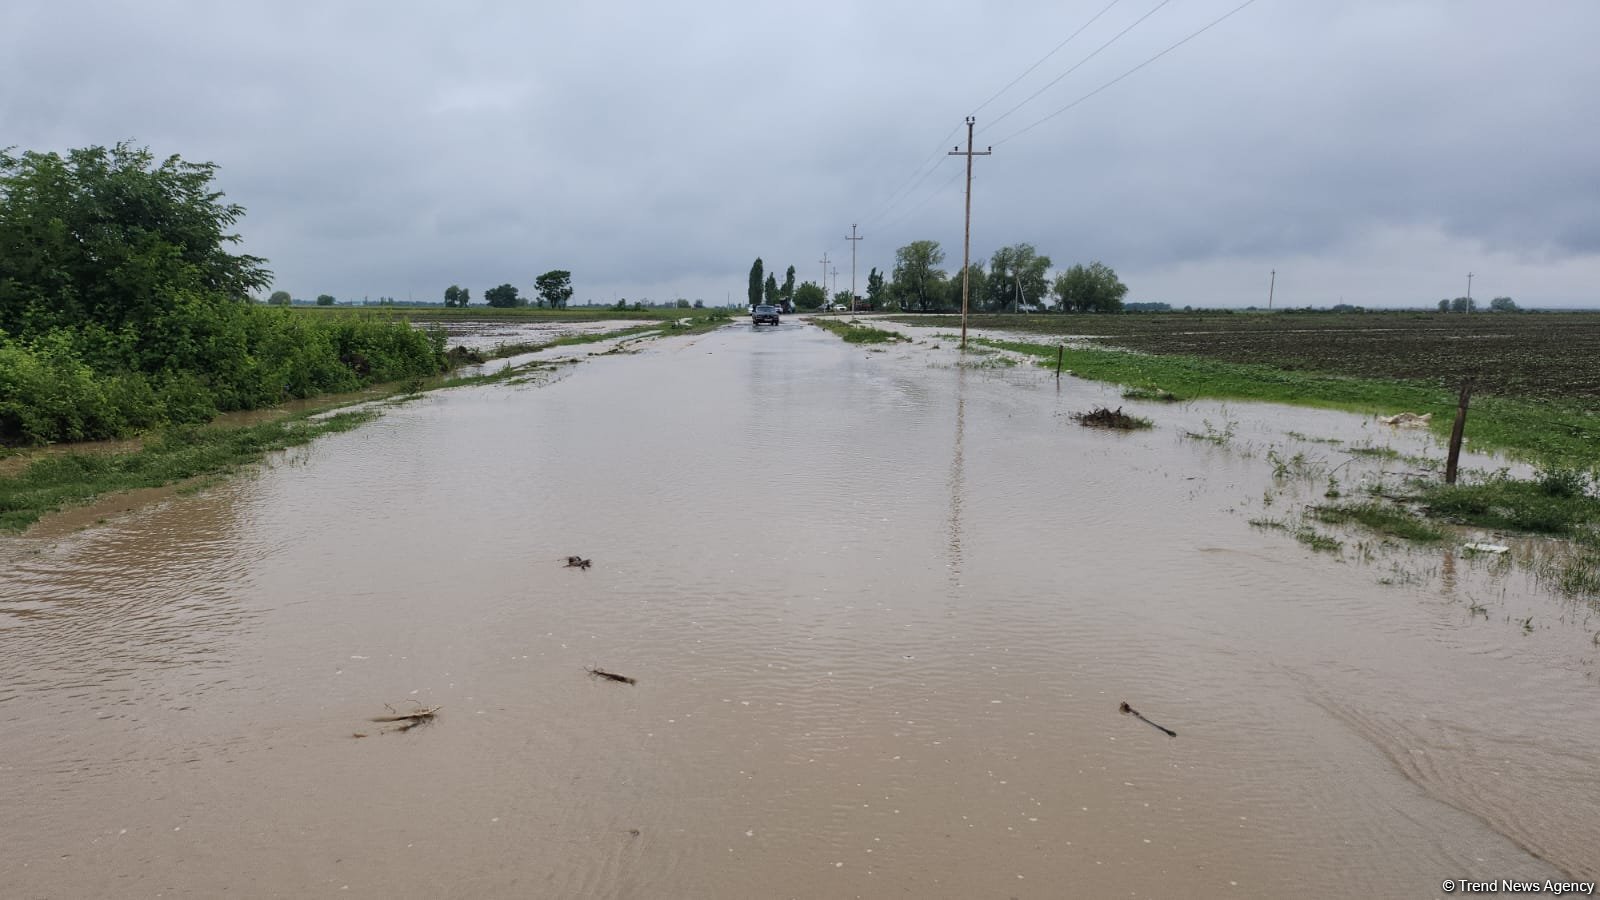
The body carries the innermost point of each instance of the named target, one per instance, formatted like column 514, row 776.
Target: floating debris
column 1407, row 420
column 399, row 721
column 1485, row 548
column 1127, row 710
column 611, row 676
column 578, row 562
column 1101, row 417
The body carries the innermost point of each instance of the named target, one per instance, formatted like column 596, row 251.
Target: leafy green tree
column 875, row 289
column 325, row 300
column 555, row 288
column 682, row 303
column 110, row 236
column 1092, row 288
column 755, row 283
column 456, row 297
column 918, row 280
column 809, row 295
column 1503, row 304
column 1463, row 305
column 787, row 291
column 771, row 289
column 1009, row 267
column 504, row 297
column 280, row 298
column 699, row 304
column 1444, row 306
column 975, row 287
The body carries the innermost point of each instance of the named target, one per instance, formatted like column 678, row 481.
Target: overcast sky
column 1373, row 151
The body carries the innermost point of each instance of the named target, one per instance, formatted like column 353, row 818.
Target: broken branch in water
column 578, row 562
column 400, row 721
column 1127, row 710
column 611, row 676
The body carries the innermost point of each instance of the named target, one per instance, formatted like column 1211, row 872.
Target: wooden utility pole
column 966, row 241
column 1469, row 293
column 1272, row 287
column 1455, row 433
column 835, row 283
column 852, row 238
column 824, row 284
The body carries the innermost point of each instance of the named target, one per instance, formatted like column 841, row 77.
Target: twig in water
column 422, row 715
column 1130, row 711
column 578, row 562
column 611, row 676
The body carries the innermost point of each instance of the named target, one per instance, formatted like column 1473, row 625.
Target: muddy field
column 880, row 611
column 1543, row 356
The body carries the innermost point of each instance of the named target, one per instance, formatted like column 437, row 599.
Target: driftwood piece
column 578, row 562
column 1127, row 710
column 405, row 721
column 611, row 676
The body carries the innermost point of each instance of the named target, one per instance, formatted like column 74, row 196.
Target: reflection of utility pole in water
column 958, row 482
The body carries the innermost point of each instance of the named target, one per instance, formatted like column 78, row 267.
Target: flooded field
column 487, row 334
column 881, row 609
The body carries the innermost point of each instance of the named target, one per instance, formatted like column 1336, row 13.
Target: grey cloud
column 394, row 148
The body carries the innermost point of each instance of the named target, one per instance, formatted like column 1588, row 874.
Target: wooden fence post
column 1455, row 433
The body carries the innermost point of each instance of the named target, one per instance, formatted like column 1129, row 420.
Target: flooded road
column 881, row 609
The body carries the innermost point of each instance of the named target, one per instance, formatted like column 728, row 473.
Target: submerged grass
column 1546, row 505
column 1546, row 431
column 856, row 333
column 1382, row 518
column 54, row 481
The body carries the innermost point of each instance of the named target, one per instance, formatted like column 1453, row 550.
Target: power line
column 1212, row 24
column 915, row 209
column 911, row 183
column 1040, row 62
column 1052, row 82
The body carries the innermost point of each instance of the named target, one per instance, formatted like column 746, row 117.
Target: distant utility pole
column 966, row 242
column 835, row 282
column 1469, row 292
column 852, row 238
column 1272, row 287
column 824, row 280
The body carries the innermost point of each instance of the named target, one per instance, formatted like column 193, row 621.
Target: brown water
column 881, row 610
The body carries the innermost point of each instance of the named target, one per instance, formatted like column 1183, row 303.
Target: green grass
column 1318, row 541
column 1382, row 518
column 58, row 480
column 1537, row 430
column 854, row 333
column 1546, row 505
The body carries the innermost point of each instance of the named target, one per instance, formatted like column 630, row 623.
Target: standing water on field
column 881, row 611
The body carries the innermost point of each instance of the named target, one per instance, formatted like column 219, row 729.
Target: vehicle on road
column 764, row 313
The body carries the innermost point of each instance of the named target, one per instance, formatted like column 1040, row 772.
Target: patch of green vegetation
column 1550, row 431
column 1369, row 450
column 1212, row 434
column 1300, row 436
column 1318, row 541
column 54, row 481
column 1555, row 503
column 856, row 333
column 1382, row 518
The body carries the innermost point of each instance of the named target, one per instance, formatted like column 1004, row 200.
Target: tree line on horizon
column 1016, row 278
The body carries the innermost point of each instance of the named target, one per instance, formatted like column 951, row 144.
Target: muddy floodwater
column 881, row 609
